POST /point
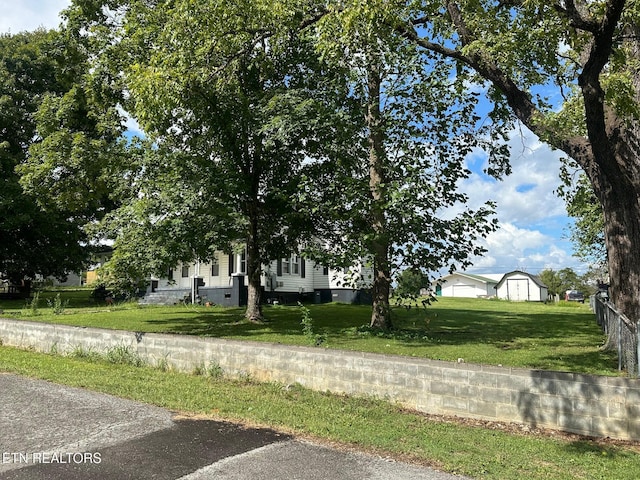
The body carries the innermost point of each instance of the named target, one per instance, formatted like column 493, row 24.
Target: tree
column 410, row 282
column 402, row 208
column 36, row 237
column 562, row 280
column 225, row 91
column 590, row 52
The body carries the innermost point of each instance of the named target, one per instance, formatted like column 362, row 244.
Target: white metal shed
column 521, row 287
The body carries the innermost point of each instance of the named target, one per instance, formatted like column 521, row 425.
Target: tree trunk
column 381, row 313
column 616, row 183
column 254, row 273
column 254, row 299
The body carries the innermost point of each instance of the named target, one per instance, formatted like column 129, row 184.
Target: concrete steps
column 164, row 297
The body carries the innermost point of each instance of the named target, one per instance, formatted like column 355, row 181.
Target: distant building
column 522, row 286
column 467, row 285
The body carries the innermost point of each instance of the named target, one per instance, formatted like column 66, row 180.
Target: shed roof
column 480, row 278
column 536, row 279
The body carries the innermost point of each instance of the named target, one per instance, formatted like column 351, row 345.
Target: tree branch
column 456, row 17
column 576, row 19
column 518, row 99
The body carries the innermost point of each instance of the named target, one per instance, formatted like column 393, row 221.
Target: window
column 295, row 265
column 170, row 276
column 185, row 271
column 215, row 267
column 325, row 270
column 286, row 265
column 243, row 262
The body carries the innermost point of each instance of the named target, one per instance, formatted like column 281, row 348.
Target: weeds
column 120, row 354
column 307, row 327
column 57, row 305
column 83, row 353
column 215, row 370
column 33, row 305
column 199, row 369
column 124, row 355
column 163, row 365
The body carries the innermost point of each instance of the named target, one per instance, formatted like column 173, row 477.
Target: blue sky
column 534, row 224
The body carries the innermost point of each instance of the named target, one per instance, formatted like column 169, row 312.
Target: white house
column 467, row 285
column 521, row 286
column 222, row 282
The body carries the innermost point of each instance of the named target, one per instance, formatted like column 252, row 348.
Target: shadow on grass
column 499, row 327
column 505, row 330
column 584, row 447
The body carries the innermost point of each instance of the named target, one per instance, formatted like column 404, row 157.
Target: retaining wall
column 585, row 404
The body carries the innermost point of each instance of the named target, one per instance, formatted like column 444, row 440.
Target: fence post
column 619, row 343
column 638, row 350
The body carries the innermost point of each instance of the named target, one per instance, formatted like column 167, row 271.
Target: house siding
column 306, row 282
column 462, row 286
column 292, row 285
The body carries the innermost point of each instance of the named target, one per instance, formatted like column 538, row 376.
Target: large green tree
column 398, row 209
column 226, row 91
column 588, row 51
column 36, row 236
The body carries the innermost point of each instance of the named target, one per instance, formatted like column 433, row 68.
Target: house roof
column 480, row 278
column 535, row 278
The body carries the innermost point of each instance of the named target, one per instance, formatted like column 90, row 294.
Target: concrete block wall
column 585, row 404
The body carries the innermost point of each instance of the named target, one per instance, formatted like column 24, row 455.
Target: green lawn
column 561, row 337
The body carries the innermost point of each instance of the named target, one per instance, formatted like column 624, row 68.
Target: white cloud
column 533, row 220
column 514, row 248
column 527, row 195
column 26, row 15
column 519, row 239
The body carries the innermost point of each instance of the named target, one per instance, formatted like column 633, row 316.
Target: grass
column 367, row 424
column 562, row 337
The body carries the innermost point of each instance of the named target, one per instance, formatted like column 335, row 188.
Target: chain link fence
column 622, row 335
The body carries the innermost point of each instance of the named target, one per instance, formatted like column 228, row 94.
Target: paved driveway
column 49, row 431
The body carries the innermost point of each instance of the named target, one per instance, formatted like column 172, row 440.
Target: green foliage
column 393, row 199
column 232, row 100
column 36, row 237
column 560, row 281
column 215, row 371
column 57, row 305
column 199, row 369
column 587, row 233
column 307, row 327
column 163, row 365
column 80, row 352
column 569, row 72
column 410, row 282
column 33, row 305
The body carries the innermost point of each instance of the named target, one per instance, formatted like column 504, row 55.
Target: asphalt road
column 49, row 431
